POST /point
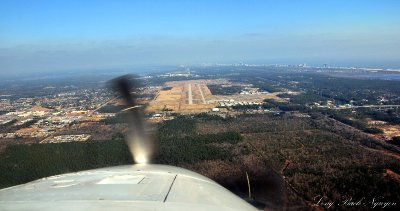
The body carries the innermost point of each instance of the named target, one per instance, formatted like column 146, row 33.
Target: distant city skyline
column 69, row 35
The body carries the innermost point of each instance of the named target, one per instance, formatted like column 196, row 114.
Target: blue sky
column 64, row 35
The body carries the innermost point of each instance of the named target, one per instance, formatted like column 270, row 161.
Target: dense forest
column 290, row 160
column 177, row 143
column 24, row 163
column 219, row 90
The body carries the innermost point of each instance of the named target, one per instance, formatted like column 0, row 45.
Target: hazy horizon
column 37, row 36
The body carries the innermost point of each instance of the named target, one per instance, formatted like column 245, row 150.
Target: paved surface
column 370, row 106
column 190, row 96
column 201, row 93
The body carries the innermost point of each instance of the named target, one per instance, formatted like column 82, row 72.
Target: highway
column 104, row 104
column 370, row 106
column 376, row 106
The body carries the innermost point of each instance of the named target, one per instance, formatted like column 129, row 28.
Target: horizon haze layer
column 37, row 36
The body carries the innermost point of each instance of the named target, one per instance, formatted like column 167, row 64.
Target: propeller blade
column 139, row 144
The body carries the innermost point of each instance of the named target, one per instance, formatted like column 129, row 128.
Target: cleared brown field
column 392, row 175
column 391, row 130
column 258, row 98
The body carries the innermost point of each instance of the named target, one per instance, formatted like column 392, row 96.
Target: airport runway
column 201, row 93
column 190, row 94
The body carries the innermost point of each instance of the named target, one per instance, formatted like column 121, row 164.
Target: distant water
column 394, row 76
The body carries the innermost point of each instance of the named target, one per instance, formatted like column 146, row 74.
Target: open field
column 258, row 98
column 390, row 131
